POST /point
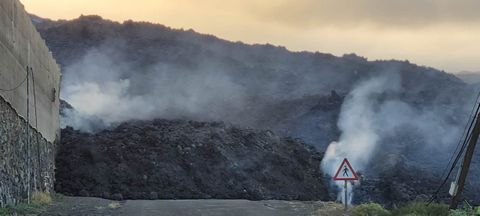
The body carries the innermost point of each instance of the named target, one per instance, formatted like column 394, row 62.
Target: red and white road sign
column 345, row 172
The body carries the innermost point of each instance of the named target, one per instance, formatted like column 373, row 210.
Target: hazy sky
column 441, row 33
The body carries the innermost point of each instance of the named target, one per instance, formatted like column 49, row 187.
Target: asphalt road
column 95, row 206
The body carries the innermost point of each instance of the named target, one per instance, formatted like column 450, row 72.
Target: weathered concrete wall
column 27, row 148
column 23, row 168
column 20, row 47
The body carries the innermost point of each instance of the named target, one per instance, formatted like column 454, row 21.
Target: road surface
column 96, row 206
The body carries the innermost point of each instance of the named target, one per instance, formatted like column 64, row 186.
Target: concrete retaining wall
column 29, row 131
column 22, row 46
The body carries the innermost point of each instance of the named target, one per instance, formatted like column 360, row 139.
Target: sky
column 444, row 34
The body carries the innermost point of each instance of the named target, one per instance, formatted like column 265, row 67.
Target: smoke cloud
column 120, row 80
column 105, row 85
column 373, row 113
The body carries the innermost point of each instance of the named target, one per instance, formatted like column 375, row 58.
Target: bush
column 21, row 209
column 460, row 212
column 38, row 203
column 421, row 209
column 466, row 211
column 369, row 209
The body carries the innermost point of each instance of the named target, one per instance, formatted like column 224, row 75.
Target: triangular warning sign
column 345, row 172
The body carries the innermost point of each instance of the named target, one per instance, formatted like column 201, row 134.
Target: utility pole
column 466, row 163
column 28, row 139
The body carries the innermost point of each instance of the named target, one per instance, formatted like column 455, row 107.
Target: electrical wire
column 30, row 70
column 466, row 138
column 16, row 87
column 28, row 148
column 458, row 155
column 465, row 134
column 36, row 125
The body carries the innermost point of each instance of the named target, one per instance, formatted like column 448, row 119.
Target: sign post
column 346, row 197
column 345, row 173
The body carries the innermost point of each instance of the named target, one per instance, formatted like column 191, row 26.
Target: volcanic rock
column 177, row 159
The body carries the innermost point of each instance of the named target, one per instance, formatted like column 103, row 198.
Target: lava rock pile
column 178, row 159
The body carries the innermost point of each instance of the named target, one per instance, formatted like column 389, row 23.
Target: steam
column 358, row 138
column 116, row 82
column 374, row 111
column 105, row 85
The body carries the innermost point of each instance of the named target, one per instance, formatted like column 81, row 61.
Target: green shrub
column 21, row 209
column 38, row 203
column 5, row 212
column 25, row 208
column 465, row 211
column 369, row 209
column 421, row 209
column 459, row 212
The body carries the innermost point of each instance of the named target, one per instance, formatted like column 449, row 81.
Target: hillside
column 119, row 72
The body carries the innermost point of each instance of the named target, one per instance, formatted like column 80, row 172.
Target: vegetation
column 422, row 209
column 41, row 198
column 38, row 204
column 369, row 209
column 466, row 211
column 329, row 208
column 413, row 209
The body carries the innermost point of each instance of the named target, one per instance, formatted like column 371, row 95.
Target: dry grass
column 114, row 205
column 329, row 209
column 41, row 198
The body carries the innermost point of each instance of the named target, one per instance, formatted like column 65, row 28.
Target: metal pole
column 346, row 198
column 28, row 137
column 466, row 163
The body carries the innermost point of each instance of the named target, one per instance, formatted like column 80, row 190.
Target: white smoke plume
column 106, row 87
column 371, row 112
column 359, row 138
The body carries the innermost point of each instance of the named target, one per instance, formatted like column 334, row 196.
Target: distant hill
column 261, row 75
column 469, row 76
column 145, row 43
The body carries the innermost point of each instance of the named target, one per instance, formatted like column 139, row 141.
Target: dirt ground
column 95, row 206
